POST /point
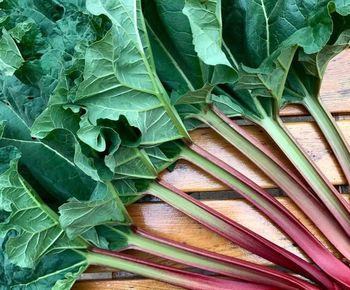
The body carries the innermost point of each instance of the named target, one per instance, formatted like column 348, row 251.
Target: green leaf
column 104, row 207
column 121, row 81
column 10, row 56
column 205, row 21
column 304, row 79
column 54, row 271
column 35, row 225
column 128, row 193
column 41, row 171
column 170, row 35
column 227, row 105
column 131, row 162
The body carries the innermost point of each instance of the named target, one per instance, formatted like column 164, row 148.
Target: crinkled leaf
column 56, row 271
column 121, row 81
column 36, row 228
column 304, row 79
column 52, row 38
column 104, row 207
column 10, row 56
column 206, row 25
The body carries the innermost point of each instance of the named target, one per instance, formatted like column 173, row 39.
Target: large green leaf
column 35, row 251
column 121, row 80
column 104, row 207
column 35, row 226
column 41, row 171
column 54, row 271
column 52, row 38
column 206, row 25
column 10, row 57
column 261, row 37
column 171, row 40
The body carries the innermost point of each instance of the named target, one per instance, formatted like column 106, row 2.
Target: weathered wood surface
column 161, row 219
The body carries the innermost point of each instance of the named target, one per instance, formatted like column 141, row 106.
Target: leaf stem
column 331, row 131
column 166, row 274
column 235, row 232
column 271, row 208
column 284, row 178
column 213, row 262
column 320, row 185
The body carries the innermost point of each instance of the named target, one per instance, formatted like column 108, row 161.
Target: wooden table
column 163, row 220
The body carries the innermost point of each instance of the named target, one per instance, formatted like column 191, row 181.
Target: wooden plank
column 191, row 179
column 130, row 284
column 335, row 90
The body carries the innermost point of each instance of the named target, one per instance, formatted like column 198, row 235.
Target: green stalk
column 166, row 274
column 236, row 233
column 331, row 131
column 320, row 185
column 213, row 262
column 300, row 195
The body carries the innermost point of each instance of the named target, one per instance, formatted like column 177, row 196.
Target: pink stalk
column 167, row 274
column 287, row 181
column 273, row 209
column 231, row 267
column 236, row 233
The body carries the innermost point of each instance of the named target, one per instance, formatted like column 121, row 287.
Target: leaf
column 304, row 79
column 205, row 21
column 120, row 80
column 41, row 171
column 36, row 228
column 159, row 159
column 131, row 162
column 200, row 96
column 54, row 271
column 35, row 253
column 170, row 36
column 52, row 39
column 10, row 56
column 104, row 207
column 128, row 193
column 227, row 105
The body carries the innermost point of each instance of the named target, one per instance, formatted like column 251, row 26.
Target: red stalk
column 292, row 172
column 247, row 271
column 280, row 216
column 238, row 234
column 289, row 183
column 172, row 275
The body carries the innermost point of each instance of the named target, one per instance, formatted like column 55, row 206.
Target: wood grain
column 191, row 179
